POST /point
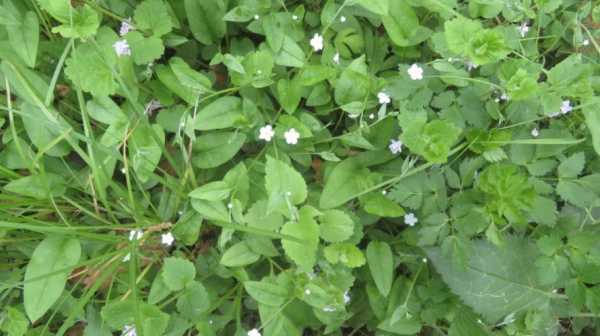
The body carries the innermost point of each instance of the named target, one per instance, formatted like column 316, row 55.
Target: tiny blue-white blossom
column 129, row 331
column 384, row 98
column 415, row 72
column 410, row 219
column 167, row 239
column 254, row 332
column 523, row 29
column 535, row 132
column 346, row 297
column 126, row 27
column 395, row 146
column 122, row 48
column 316, row 42
column 566, row 107
column 135, row 234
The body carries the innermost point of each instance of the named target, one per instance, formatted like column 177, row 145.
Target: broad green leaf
column 194, row 302
column 458, row 33
column 572, row 166
column 144, row 152
column 274, row 31
column 24, row 38
column 188, row 76
column 354, row 83
column 213, row 210
column 46, row 274
column 266, row 293
column 144, row 50
column 290, row 55
column 336, row 226
column 284, row 185
column 239, row 255
column 177, row 273
column 344, row 253
column 404, row 326
column 78, row 22
column 214, row 149
column 158, row 290
column 13, row 322
column 306, row 229
column 346, row 181
column 222, row 113
column 402, row 25
column 153, row 15
column 312, row 74
column 43, row 132
column 118, row 314
column 167, row 77
column 465, row 323
column 212, row 191
column 206, row 20
column 381, row 264
column 380, row 7
column 496, row 281
column 377, row 204
column 592, row 120
column 38, row 186
column 289, row 93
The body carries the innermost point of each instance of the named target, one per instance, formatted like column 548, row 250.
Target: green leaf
column 458, row 33
column 38, row 186
column 575, row 193
column 194, row 302
column 266, row 293
column 212, row 191
column 177, row 273
column 158, row 290
column 13, row 322
column 381, row 264
column 306, row 229
column 144, row 50
column 377, row 204
column 239, row 255
column 206, row 20
column 214, row 149
column 274, row 30
column 42, row 131
column 379, row 7
column 592, row 120
column 487, row 46
column 347, row 179
column 81, row 22
column 290, row 55
column 572, row 166
column 496, row 281
column 344, row 253
column 24, row 38
column 167, row 77
column 289, row 93
column 432, row 140
column 402, row 25
column 314, row 74
column 46, row 275
column 91, row 67
column 144, row 152
column 465, row 323
column 153, row 15
column 213, row 210
column 284, row 185
column 188, row 76
column 118, row 314
column 336, row 226
column 404, row 326
column 222, row 113
column 354, row 83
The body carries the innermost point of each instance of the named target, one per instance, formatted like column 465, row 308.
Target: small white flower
column 129, row 331
column 504, row 97
column 471, row 66
column 307, row 291
column 328, row 309
column 371, row 116
column 266, row 133
column 180, row 212
column 295, row 17
column 395, row 146
column 497, row 100
column 346, row 297
column 384, row 98
column 122, row 48
column 126, row 27
column 288, row 193
column 535, row 132
column 123, row 170
column 586, row 42
column 256, row 17
column 336, row 58
column 410, row 219
column 135, row 234
column 167, row 239
column 415, row 72
column 566, row 107
column 384, row 192
column 342, row 19
column 254, row 332
column 450, row 59
column 229, row 206
column 424, row 260
column 291, row 136
column 523, row 29
column 127, row 257
column 317, row 42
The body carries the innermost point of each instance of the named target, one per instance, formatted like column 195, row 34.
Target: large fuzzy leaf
column 495, row 282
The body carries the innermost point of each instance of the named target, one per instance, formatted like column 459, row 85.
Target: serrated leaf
column 572, row 166
column 496, row 281
column 46, row 274
column 177, row 273
column 336, row 226
column 239, row 255
column 305, row 229
column 266, row 293
column 345, row 181
column 212, row 191
column 144, row 50
column 118, row 314
column 344, row 253
column 153, row 15
column 284, row 185
column 194, row 301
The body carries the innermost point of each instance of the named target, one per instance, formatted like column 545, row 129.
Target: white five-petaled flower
column 316, row 42
column 346, row 297
column 415, row 72
column 523, row 29
column 535, row 132
column 566, row 107
column 384, row 98
column 126, row 27
column 254, row 332
column 395, row 146
column 291, row 136
column 586, row 42
column 266, row 133
column 342, row 19
column 167, row 239
column 129, row 331
column 336, row 58
column 122, row 48
column 410, row 219
column 135, row 234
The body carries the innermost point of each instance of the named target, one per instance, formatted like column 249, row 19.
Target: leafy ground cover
column 284, row 167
